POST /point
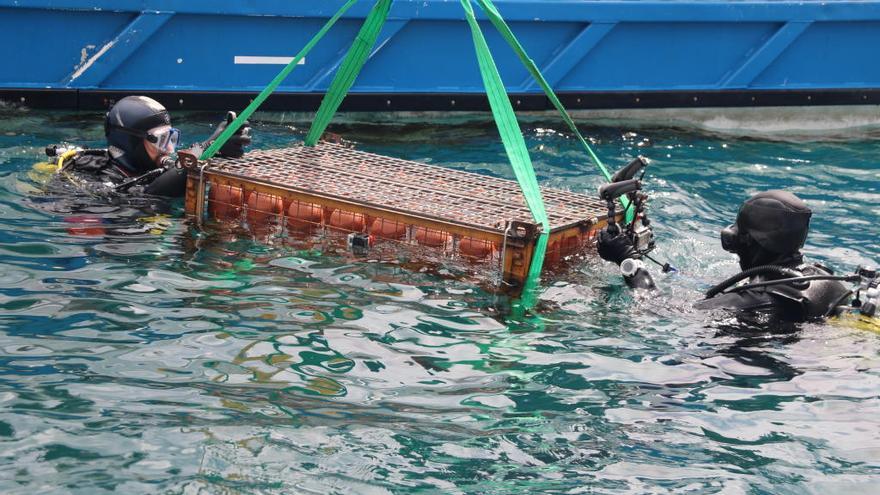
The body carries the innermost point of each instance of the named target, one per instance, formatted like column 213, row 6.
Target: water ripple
column 138, row 355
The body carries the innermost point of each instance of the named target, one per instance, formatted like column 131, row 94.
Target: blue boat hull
column 596, row 54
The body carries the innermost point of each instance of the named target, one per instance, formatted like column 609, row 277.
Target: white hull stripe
column 248, row 60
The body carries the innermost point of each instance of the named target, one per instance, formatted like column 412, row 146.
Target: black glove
column 614, row 246
column 234, row 146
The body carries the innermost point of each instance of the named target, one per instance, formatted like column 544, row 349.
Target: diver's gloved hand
column 614, row 246
column 234, row 146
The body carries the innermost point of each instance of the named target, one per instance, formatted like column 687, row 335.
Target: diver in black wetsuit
column 138, row 159
column 769, row 232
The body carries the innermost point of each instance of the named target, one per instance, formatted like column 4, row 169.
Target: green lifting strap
column 515, row 146
column 349, row 70
column 495, row 17
column 268, row 90
column 504, row 29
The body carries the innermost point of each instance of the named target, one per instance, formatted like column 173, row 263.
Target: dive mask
column 730, row 239
column 164, row 138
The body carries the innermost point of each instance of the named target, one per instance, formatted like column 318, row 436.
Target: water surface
column 138, row 355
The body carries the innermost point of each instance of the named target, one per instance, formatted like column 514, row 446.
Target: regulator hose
column 59, row 165
column 758, row 270
column 793, row 281
column 167, row 180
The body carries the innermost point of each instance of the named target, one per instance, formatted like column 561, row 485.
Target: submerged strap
column 268, row 90
column 515, row 146
column 349, row 70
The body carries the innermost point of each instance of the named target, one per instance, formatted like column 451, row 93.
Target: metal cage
column 330, row 187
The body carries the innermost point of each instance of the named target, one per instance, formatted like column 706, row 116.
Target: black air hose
column 751, row 272
column 93, row 152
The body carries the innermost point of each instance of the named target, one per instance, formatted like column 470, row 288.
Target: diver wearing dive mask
column 768, row 234
column 140, row 145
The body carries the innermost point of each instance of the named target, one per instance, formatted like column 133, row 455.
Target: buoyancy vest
column 819, row 299
column 96, row 171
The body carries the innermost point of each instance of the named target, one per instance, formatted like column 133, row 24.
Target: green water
column 133, row 361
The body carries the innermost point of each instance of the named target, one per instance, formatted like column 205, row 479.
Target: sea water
column 141, row 355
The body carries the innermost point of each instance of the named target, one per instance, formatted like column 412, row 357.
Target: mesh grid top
column 405, row 186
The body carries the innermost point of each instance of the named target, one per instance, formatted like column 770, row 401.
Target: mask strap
column 132, row 132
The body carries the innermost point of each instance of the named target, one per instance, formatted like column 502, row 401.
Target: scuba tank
column 42, row 172
column 871, row 286
column 64, row 159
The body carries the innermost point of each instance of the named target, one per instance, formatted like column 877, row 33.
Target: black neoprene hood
column 778, row 221
column 126, row 126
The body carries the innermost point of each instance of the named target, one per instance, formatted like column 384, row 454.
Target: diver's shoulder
column 73, row 169
column 741, row 300
column 97, row 163
column 88, row 159
column 815, row 268
column 820, row 298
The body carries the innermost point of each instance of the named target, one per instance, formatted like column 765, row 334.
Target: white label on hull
column 249, row 60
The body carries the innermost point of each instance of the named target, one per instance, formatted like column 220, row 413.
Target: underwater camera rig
column 625, row 184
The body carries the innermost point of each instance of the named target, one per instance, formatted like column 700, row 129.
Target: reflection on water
column 140, row 355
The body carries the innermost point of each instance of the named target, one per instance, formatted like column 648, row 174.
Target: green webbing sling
column 508, row 127
column 349, row 70
column 268, row 90
column 502, row 27
column 515, row 146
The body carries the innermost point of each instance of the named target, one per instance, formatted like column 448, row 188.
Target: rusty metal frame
column 582, row 215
